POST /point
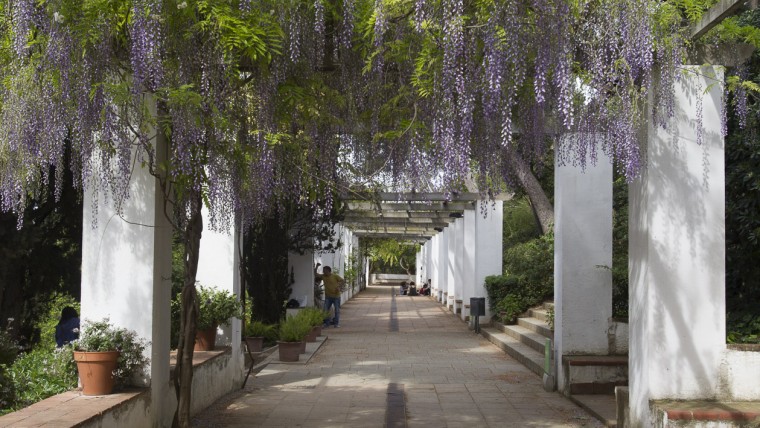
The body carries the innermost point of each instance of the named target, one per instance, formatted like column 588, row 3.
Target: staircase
column 524, row 341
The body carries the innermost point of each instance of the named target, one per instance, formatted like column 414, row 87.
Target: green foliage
column 620, row 249
column 550, row 317
column 259, row 329
column 519, row 222
column 528, row 278
column 8, row 346
column 217, row 307
column 391, row 256
column 7, row 391
column 743, row 223
column 40, row 374
column 102, row 336
column 499, row 286
column 294, row 329
column 313, row 316
column 47, row 324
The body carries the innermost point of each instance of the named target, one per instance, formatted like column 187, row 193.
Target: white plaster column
column 219, row 267
column 434, row 255
column 428, row 261
column 126, row 273
column 677, row 255
column 488, row 240
column 582, row 259
column 418, row 258
column 451, row 259
column 469, row 250
column 459, row 266
column 443, row 256
column 302, row 267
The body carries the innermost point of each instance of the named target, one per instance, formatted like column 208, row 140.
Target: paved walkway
column 397, row 361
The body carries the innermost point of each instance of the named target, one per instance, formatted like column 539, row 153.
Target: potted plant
column 315, row 317
column 255, row 333
column 106, row 355
column 292, row 332
column 217, row 307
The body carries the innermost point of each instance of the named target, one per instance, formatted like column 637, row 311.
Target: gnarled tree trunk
column 183, row 378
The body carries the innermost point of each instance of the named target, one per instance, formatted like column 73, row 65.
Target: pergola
column 413, row 216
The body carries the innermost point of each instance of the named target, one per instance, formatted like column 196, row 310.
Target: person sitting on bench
column 403, row 289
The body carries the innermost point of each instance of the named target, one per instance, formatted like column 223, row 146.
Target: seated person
column 412, row 289
column 403, row 289
column 425, row 291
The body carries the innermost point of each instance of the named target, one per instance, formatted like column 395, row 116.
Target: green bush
column 294, row 329
column 102, row 336
column 7, row 391
column 40, row 374
column 528, row 278
column 499, row 286
column 217, row 307
column 259, row 329
column 314, row 316
column 8, row 346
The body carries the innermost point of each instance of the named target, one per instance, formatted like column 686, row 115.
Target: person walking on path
column 333, row 286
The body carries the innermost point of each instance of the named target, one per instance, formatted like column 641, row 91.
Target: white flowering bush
column 102, row 336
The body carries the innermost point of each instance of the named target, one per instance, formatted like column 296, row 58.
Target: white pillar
column 302, row 267
column 451, row 259
column 443, row 253
column 677, row 255
column 126, row 273
column 469, row 250
column 459, row 267
column 582, row 259
column 429, row 261
column 488, row 240
column 219, row 267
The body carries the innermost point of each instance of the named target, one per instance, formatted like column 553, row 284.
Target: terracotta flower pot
column 318, row 329
column 205, row 340
column 96, row 371
column 303, row 346
column 289, row 351
column 254, row 344
column 312, row 336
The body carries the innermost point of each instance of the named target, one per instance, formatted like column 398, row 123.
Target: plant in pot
column 293, row 330
column 315, row 317
column 217, row 307
column 106, row 356
column 255, row 334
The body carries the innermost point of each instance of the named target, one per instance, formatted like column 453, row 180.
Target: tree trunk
column 183, row 377
column 542, row 207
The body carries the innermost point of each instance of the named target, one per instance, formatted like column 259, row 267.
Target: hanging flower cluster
column 273, row 101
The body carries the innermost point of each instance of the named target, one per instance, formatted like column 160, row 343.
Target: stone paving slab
column 397, row 361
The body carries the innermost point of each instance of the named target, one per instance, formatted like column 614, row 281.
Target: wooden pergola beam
column 392, row 222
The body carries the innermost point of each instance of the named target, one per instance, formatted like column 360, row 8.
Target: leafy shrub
column 217, row 307
column 8, row 346
column 519, row 222
column 313, row 316
column 258, row 329
column 620, row 249
column 42, row 373
column 101, row 336
column 499, row 286
column 294, row 329
column 528, row 278
column 7, row 391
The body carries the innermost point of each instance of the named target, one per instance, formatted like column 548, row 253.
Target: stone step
column 540, row 314
column 528, row 337
column 536, row 325
column 595, row 374
column 526, row 355
column 548, row 305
